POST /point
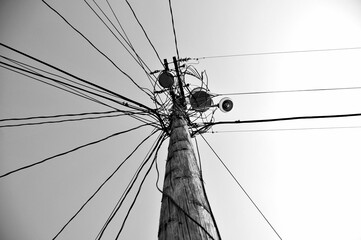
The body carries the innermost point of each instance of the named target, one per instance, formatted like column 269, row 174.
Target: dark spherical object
column 166, row 79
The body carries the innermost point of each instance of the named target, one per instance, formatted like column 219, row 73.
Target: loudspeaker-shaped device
column 225, row 104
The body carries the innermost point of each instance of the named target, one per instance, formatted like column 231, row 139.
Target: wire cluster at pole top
column 180, row 87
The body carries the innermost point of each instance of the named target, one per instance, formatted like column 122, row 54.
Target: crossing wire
column 98, row 95
column 80, row 79
column 97, row 49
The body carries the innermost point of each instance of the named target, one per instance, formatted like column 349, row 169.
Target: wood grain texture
column 185, row 213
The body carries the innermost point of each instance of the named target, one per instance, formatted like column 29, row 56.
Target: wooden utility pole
column 185, row 211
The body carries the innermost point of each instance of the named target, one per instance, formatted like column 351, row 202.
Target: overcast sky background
column 306, row 182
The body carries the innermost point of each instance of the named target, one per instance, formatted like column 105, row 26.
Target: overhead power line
column 78, row 78
column 288, row 91
column 209, row 124
column 97, row 49
column 173, row 27
column 141, row 184
column 70, row 151
column 243, row 189
column 101, row 186
column 58, row 116
column 278, row 52
column 154, row 149
column 282, row 129
column 145, row 33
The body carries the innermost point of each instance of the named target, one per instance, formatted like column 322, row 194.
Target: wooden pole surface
column 185, row 211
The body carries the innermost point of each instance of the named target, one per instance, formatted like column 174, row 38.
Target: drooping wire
column 173, row 27
column 71, row 150
column 130, row 186
column 277, row 52
column 97, row 49
column 242, row 188
column 105, row 181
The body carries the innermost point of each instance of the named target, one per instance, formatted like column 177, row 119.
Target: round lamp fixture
column 200, row 100
column 166, row 79
column 225, row 104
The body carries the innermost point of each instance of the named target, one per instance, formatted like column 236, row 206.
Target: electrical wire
column 173, row 27
column 283, row 129
column 75, row 87
column 288, row 91
column 93, row 86
column 204, row 190
column 129, row 187
column 145, row 33
column 81, row 94
column 278, row 52
column 276, row 120
column 72, row 86
column 58, row 116
column 141, row 184
column 97, row 49
column 104, row 182
column 71, row 150
column 27, row 66
column 61, row 121
column 140, row 61
column 127, row 40
column 242, row 188
column 64, row 88
column 80, row 79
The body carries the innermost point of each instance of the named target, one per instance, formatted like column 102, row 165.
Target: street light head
column 200, row 100
column 166, row 79
column 225, row 104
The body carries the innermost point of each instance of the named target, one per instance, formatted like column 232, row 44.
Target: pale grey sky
column 305, row 181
